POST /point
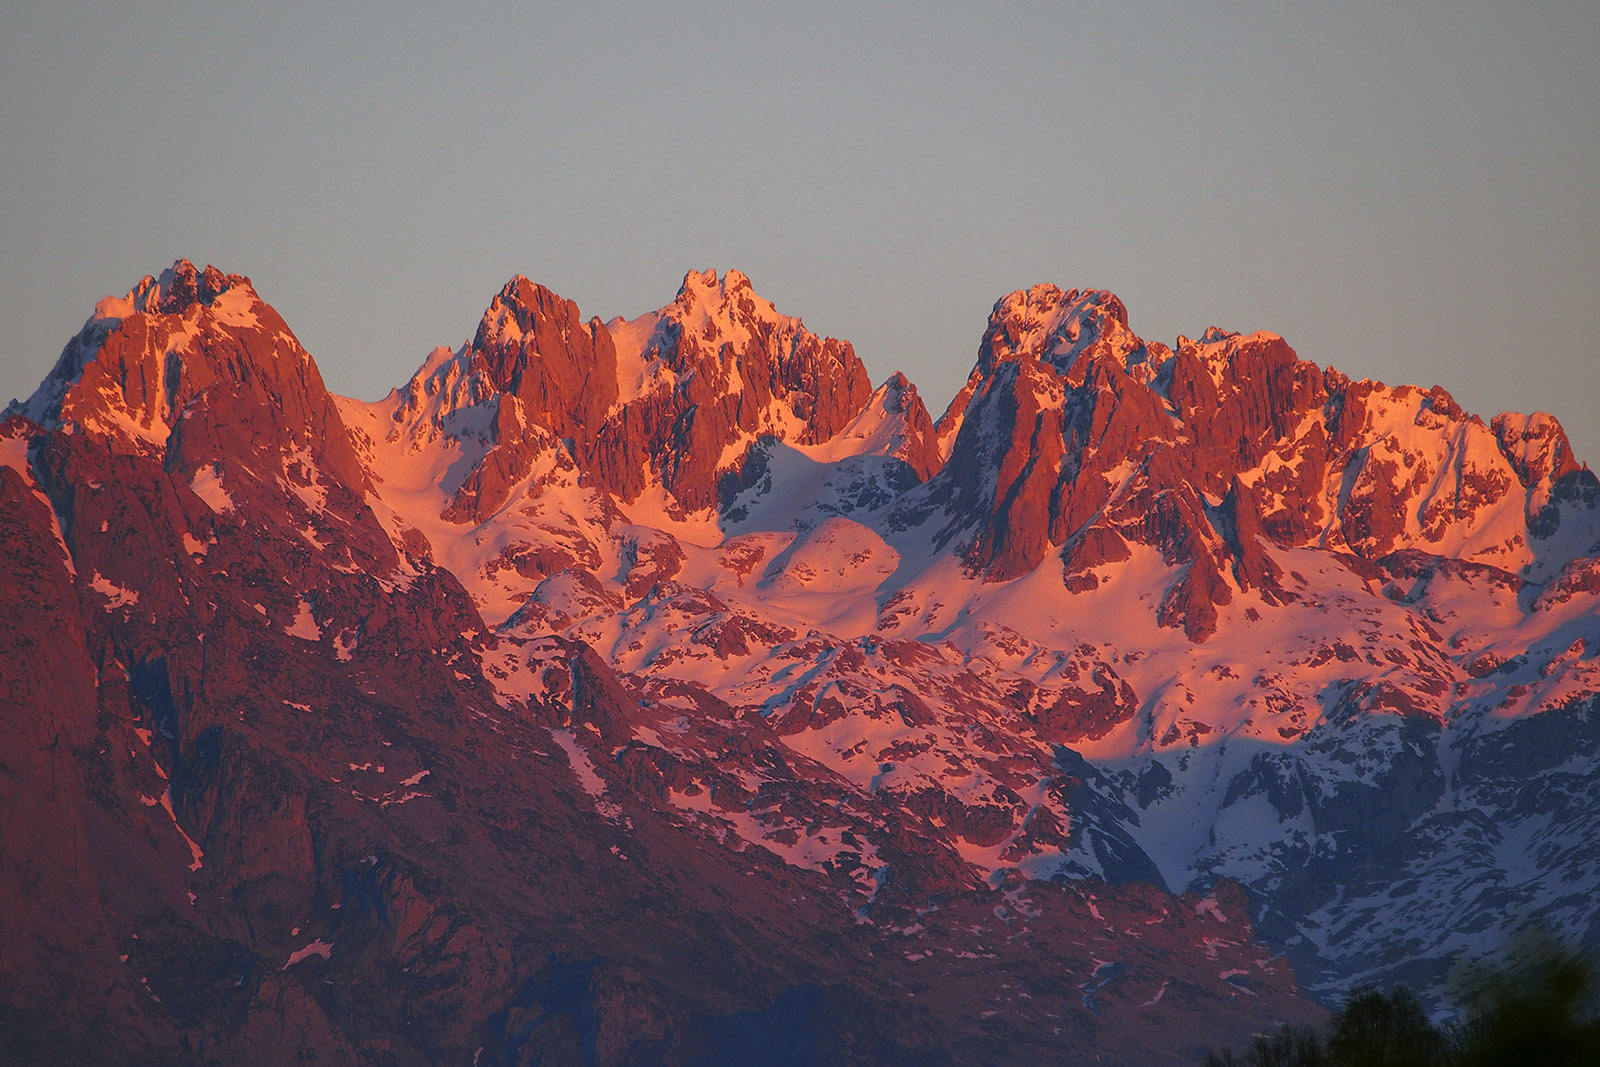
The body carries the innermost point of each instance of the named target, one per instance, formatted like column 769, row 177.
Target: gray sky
column 1410, row 192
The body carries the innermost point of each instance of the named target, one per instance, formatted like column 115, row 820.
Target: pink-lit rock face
column 672, row 399
column 609, row 680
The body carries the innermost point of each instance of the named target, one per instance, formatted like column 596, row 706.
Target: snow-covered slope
column 1168, row 614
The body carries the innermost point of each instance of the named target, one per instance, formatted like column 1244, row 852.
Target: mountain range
column 659, row 690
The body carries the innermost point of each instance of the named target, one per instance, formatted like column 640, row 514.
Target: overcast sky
column 1410, row 192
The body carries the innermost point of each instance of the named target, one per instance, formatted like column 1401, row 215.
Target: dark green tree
column 1370, row 1030
column 1545, row 1013
column 1291, row 1046
column 1374, row 1030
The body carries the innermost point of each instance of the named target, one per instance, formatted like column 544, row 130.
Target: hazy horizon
column 1405, row 193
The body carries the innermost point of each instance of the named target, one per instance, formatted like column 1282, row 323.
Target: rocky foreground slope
column 658, row 691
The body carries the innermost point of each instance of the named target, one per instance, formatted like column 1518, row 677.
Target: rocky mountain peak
column 1072, row 432
column 1057, row 327
column 894, row 422
column 741, row 370
column 1537, row 448
column 717, row 313
column 703, row 287
column 1070, row 334
column 141, row 358
column 535, row 345
column 193, row 367
column 675, row 397
column 176, row 290
column 182, row 286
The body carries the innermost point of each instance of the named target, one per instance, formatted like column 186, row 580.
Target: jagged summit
column 721, row 317
column 1074, row 408
column 193, row 368
column 182, row 285
column 174, row 290
column 142, row 359
column 673, row 398
column 1057, row 327
column 704, row 286
column 1076, row 438
column 535, row 345
column 1065, row 331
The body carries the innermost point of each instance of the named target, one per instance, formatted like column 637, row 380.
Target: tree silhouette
column 1546, row 1012
column 1291, row 1046
column 1373, row 1030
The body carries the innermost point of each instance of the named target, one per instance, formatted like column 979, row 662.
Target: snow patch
column 305, row 625
column 319, row 948
column 207, row 485
column 589, row 778
column 116, row 596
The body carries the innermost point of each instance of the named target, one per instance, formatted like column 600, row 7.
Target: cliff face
column 615, row 692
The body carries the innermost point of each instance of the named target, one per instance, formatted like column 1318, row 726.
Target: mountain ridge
column 1128, row 621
